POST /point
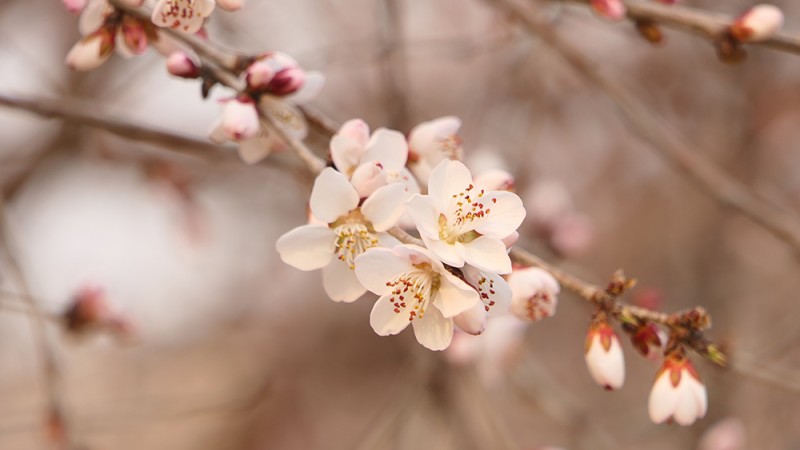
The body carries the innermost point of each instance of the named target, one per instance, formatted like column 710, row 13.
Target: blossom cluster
column 454, row 280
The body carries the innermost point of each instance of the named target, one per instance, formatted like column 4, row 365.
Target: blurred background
column 232, row 349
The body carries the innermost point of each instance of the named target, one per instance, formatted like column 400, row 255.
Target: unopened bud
column 287, row 81
column 230, row 5
column 678, row 393
column 259, row 74
column 534, row 293
column 610, row 9
column 180, row 65
column 603, row 354
column 92, row 51
column 368, row 177
column 757, row 24
column 495, row 180
column 473, row 320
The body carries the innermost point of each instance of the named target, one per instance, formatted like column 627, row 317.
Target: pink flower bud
column 240, row 120
column 230, row 5
column 534, row 294
column 368, row 177
column 677, row 394
column 259, row 74
column 758, row 23
column 287, row 81
column 75, row 6
column 604, row 357
column 180, row 65
column 356, row 130
column 92, row 51
column 610, row 9
column 496, row 180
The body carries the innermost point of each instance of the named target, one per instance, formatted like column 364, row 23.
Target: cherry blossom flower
column 758, row 23
column 352, row 148
column 414, row 288
column 433, row 141
column 184, row 15
column 460, row 222
column 495, row 296
column 534, row 293
column 677, row 392
column 348, row 228
column 604, row 357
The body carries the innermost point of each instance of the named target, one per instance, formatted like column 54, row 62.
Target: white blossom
column 433, row 141
column 604, row 357
column 677, row 393
column 462, row 223
column 347, row 229
column 414, row 288
column 534, row 293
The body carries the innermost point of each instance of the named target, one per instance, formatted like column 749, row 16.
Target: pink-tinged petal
column 75, row 6
column 473, row 320
column 454, row 296
column 357, row 130
column 231, row 5
column 240, row 119
column 340, row 282
column 425, row 216
column 313, row 84
column 424, row 138
column 307, row 247
column 204, row 7
column 451, row 254
column 487, row 254
column 180, row 65
column 332, row 196
column 255, row 149
column 90, row 52
column 388, row 147
column 384, row 318
column 122, row 47
column 345, row 153
column 286, row 116
column 368, row 178
column 448, row 178
column 663, row 399
column 377, row 266
column 258, row 75
column 385, row 206
column 505, row 214
column 686, row 410
column 94, row 16
column 433, row 331
column 495, row 180
column 408, row 180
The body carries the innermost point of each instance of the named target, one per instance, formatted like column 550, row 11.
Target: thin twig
column 703, row 23
column 46, row 351
column 654, row 130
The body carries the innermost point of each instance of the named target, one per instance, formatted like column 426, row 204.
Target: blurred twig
column 704, row 23
column 655, row 131
column 57, row 417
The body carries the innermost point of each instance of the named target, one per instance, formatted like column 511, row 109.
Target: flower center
column 354, row 236
column 467, row 207
column 412, row 291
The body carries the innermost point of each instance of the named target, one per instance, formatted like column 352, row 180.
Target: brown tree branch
column 656, row 132
column 702, row 23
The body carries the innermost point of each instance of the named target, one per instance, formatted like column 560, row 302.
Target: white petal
column 311, row 88
column 231, row 5
column 408, row 180
column 433, row 331
column 454, row 296
column 424, row 215
column 384, row 320
column 493, row 290
column 377, row 266
column 425, row 136
column 369, row 177
column 340, row 282
column 389, row 148
column 332, row 196
column 345, row 153
column 357, row 130
column 663, row 399
column 607, row 368
column 385, row 206
column 307, row 247
column 473, row 320
column 93, row 16
column 448, row 178
column 254, row 150
column 449, row 254
column 205, row 7
column 487, row 254
column 506, row 213
column 240, row 120
column 177, row 14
